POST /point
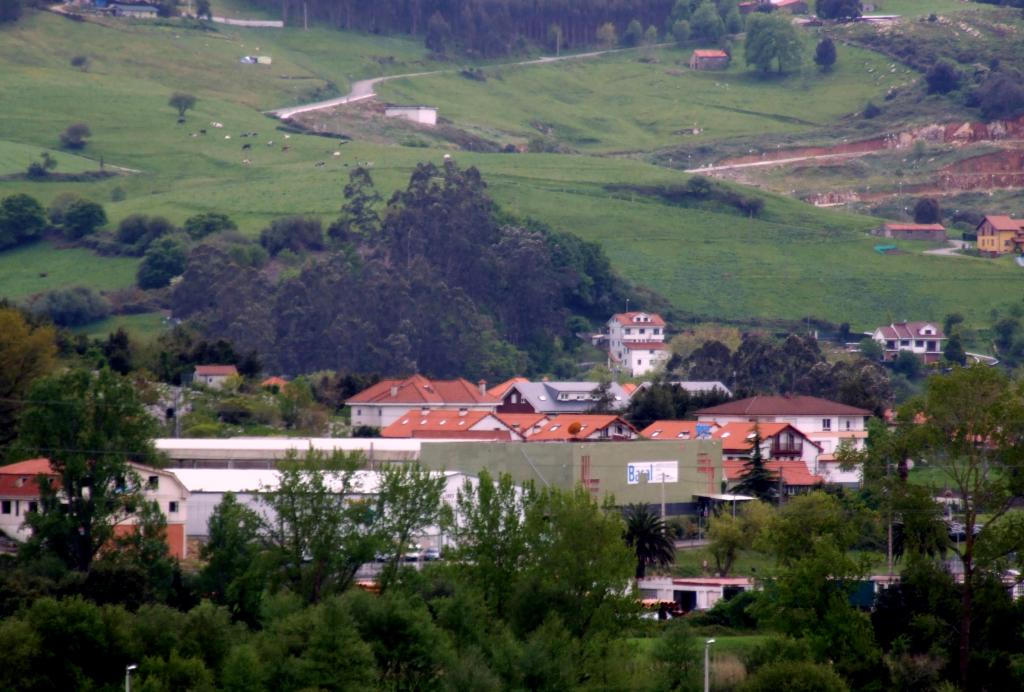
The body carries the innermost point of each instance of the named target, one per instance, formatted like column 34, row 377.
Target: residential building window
column 849, row 425
column 919, row 343
column 153, row 483
column 33, row 506
column 643, row 331
column 172, row 507
column 5, row 507
column 891, row 345
column 639, row 362
column 904, row 342
column 826, row 423
column 932, row 346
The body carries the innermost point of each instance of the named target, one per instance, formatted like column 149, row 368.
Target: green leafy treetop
column 757, row 479
column 90, row 425
column 647, row 536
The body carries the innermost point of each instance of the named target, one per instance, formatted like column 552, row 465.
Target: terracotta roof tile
column 710, row 53
column 215, row 370
column 418, row 390
column 674, row 430
column 628, row 319
column 793, row 472
column 783, row 406
column 557, row 429
column 441, row 421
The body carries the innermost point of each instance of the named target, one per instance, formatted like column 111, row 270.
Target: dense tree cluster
column 794, row 365
column 22, row 220
column 479, row 26
column 438, row 282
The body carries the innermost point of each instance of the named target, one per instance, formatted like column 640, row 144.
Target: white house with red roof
column 213, row 376
column 828, row 424
column 585, row 427
column 452, row 425
column 924, row 339
column 636, row 342
column 384, row 403
column 19, row 496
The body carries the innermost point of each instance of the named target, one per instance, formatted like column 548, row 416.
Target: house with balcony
column 998, row 234
column 923, row 339
column 778, row 441
column 636, row 342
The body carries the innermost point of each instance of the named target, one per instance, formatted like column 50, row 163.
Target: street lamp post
column 707, row 664
column 128, row 677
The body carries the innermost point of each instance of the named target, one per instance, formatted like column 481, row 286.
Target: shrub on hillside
column 138, row 231
column 22, row 220
column 794, row 676
column 296, row 233
column 165, row 259
column 202, row 225
column 943, row 77
column 74, row 137
column 72, row 307
column 82, row 218
column 927, row 210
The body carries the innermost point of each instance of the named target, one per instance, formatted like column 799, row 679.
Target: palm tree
column 647, row 536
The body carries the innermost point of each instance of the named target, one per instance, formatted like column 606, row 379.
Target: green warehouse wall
column 615, row 468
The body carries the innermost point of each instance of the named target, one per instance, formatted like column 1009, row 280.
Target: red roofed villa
column 778, row 441
column 923, row 339
column 679, row 430
column 382, row 404
column 796, row 477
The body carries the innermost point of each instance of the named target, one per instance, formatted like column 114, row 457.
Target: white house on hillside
column 636, row 342
column 923, row 339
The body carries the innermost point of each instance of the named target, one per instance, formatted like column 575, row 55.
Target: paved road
column 363, row 89
column 777, row 162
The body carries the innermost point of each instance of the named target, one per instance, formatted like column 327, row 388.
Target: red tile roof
column 910, row 330
column 499, row 391
column 557, row 429
column 915, row 226
column 416, row 422
column 629, row 319
column 793, row 472
column 483, row 435
column 215, row 370
column 710, row 53
column 418, row 390
column 629, row 387
column 274, row 381
column 739, row 437
column 1001, row 222
column 523, row 422
column 645, row 345
column 796, row 405
column 673, row 430
column 19, row 480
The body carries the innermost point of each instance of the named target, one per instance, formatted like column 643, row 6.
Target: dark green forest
column 437, row 281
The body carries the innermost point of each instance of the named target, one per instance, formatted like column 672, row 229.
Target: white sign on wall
column 652, row 472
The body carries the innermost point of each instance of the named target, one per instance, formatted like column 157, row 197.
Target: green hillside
column 792, row 262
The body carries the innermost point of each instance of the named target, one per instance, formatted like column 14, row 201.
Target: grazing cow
column 217, row 125
column 246, row 162
column 246, row 146
column 202, row 132
column 193, row 135
column 337, row 153
column 318, row 164
column 227, row 136
column 270, row 143
column 285, row 148
column 287, row 136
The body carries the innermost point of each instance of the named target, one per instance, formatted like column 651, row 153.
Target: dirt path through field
column 363, row 89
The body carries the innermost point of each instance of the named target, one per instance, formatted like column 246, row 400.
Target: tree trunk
column 966, row 605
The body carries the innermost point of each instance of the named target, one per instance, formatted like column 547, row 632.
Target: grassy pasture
column 15, row 158
column 144, row 326
column 41, row 267
column 620, row 104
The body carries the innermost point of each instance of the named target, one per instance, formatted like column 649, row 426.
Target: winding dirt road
column 363, row 89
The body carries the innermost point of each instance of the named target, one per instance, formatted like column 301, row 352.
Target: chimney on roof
column 394, row 390
column 483, row 387
column 424, row 410
column 463, row 412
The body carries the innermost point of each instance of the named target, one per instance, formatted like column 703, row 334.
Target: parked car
column 431, row 554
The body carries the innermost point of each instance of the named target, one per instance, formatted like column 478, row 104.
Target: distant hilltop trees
column 481, row 26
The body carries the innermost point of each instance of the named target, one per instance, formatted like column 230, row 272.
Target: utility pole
column 707, row 664
column 663, row 496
